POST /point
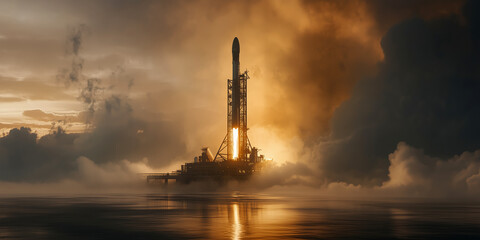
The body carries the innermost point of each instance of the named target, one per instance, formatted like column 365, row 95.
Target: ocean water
column 232, row 216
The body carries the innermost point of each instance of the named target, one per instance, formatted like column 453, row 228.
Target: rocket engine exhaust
column 235, row 143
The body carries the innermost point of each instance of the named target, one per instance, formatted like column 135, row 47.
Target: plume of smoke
column 423, row 95
column 116, row 133
column 74, row 44
column 89, row 95
column 413, row 172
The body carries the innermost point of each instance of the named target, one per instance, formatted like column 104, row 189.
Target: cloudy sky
column 371, row 93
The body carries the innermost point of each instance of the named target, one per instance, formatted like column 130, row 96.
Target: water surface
column 226, row 216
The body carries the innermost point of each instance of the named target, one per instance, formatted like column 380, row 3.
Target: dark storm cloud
column 116, row 132
column 389, row 12
column 425, row 94
column 117, row 135
column 23, row 159
column 340, row 47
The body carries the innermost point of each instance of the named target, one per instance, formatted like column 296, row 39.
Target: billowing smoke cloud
column 117, row 136
column 425, row 95
column 74, row 43
column 418, row 174
column 90, row 86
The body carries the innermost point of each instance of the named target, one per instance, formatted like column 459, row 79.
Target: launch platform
column 235, row 159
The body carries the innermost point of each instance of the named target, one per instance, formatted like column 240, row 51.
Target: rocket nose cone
column 235, row 46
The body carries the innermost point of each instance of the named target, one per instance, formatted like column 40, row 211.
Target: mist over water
column 233, row 216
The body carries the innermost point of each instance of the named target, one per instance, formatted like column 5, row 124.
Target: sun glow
column 235, row 143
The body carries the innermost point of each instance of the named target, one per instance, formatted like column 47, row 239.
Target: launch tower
column 236, row 159
column 236, row 145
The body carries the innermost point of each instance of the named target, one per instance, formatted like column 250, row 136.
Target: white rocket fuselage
column 236, row 84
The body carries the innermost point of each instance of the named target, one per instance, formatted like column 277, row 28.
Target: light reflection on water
column 222, row 217
column 236, row 225
column 217, row 216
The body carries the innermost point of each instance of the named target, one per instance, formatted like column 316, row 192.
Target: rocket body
column 236, row 84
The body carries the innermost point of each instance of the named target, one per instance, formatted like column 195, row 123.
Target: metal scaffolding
column 225, row 151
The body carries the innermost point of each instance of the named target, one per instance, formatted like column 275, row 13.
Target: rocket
column 236, row 84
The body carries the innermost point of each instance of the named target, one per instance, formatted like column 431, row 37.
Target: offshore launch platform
column 235, row 159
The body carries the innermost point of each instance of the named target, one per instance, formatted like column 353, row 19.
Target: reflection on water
column 237, row 226
column 216, row 216
column 221, row 216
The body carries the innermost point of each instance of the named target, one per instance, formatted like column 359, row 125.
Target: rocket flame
column 235, row 143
